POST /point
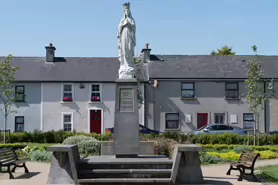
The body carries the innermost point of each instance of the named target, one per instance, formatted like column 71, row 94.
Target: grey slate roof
column 206, row 66
column 66, row 69
column 161, row 66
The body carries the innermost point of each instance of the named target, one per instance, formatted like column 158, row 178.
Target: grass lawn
column 270, row 172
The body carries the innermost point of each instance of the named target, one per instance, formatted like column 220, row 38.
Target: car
column 273, row 132
column 142, row 130
column 220, row 129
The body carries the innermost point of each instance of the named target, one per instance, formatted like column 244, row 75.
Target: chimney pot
column 147, row 46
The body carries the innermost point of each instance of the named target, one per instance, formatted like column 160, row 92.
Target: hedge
column 13, row 145
column 50, row 136
column 219, row 147
column 227, row 138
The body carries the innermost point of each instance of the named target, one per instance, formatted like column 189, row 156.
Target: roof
column 206, row 66
column 75, row 69
column 66, row 69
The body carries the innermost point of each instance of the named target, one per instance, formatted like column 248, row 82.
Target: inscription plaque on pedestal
column 126, row 103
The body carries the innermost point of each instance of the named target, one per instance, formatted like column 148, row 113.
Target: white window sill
column 94, row 102
column 69, row 102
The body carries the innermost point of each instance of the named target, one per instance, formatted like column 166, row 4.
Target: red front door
column 202, row 120
column 95, row 121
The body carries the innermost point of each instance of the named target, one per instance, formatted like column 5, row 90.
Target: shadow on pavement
column 28, row 175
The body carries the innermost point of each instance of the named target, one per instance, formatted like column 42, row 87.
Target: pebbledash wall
column 30, row 109
column 44, row 108
column 53, row 107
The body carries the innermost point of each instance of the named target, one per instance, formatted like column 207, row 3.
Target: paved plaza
column 214, row 174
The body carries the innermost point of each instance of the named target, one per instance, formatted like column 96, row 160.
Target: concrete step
column 125, row 173
column 110, row 162
column 124, row 166
column 125, row 181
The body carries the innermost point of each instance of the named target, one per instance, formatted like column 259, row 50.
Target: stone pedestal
column 126, row 128
column 63, row 164
column 187, row 165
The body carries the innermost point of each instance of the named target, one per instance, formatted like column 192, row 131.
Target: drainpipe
column 265, row 107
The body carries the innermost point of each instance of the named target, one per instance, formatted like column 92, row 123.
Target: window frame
column 63, row 92
column 20, row 93
column 63, row 122
column 219, row 114
column 250, row 121
column 178, row 121
column 90, row 93
column 193, row 89
column 16, row 123
column 232, row 90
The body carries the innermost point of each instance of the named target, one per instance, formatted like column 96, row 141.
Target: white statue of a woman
column 126, row 43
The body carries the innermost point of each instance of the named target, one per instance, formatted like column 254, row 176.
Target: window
column 95, row 93
column 213, row 127
column 19, row 93
column 219, row 118
column 248, row 120
column 67, row 92
column 223, row 127
column 231, row 90
column 172, row 121
column 19, row 124
column 188, row 90
column 67, row 122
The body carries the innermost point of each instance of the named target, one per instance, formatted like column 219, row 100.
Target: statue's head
column 127, row 9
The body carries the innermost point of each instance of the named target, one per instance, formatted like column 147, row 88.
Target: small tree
column 255, row 95
column 7, row 96
column 137, row 61
column 224, row 51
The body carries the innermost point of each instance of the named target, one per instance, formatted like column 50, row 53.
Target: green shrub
column 76, row 139
column 165, row 146
column 40, row 156
column 208, row 159
column 89, row 147
column 228, row 156
column 267, row 154
column 13, row 145
column 86, row 145
column 242, row 148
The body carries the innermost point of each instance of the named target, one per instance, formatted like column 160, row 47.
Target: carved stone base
column 126, row 72
column 187, row 165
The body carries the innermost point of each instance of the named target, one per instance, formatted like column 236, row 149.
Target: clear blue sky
column 88, row 28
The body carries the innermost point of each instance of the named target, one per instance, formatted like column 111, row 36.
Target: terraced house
column 187, row 92
column 180, row 92
column 56, row 93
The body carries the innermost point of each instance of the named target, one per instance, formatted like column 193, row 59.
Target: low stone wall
column 146, row 148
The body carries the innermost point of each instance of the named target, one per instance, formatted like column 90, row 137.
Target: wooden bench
column 246, row 161
column 8, row 158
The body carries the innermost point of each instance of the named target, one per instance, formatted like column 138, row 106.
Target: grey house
column 69, row 93
column 188, row 92
column 181, row 93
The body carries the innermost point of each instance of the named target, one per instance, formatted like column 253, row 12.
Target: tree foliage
column 7, row 96
column 137, row 61
column 224, row 51
column 255, row 95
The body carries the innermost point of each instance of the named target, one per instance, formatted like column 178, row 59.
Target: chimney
column 146, row 52
column 50, row 53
